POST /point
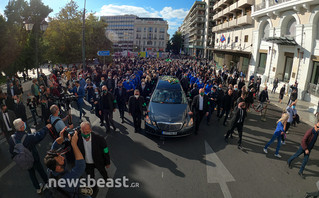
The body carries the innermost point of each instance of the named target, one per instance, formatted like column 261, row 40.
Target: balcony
column 233, row 6
column 242, row 3
column 272, row 7
column 232, row 23
column 245, row 20
column 226, row 11
column 225, row 25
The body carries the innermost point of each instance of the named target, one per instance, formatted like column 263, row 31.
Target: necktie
column 7, row 120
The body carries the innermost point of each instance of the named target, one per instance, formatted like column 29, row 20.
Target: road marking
column 162, row 174
column 6, row 169
column 216, row 171
column 318, row 184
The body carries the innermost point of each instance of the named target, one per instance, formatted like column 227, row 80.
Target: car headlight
column 149, row 121
column 190, row 122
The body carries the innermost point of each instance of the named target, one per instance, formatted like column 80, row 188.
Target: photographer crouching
column 57, row 122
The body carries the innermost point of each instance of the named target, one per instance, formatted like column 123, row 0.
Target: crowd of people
column 126, row 85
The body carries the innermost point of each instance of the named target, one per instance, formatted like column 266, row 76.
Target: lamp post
column 83, row 39
column 29, row 26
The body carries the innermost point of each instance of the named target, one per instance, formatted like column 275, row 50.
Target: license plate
column 169, row 133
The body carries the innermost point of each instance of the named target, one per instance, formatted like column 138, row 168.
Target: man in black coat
column 220, row 96
column 238, row 122
column 120, row 95
column 20, row 109
column 6, row 121
column 95, row 151
column 107, row 107
column 185, row 83
column 241, row 83
column 136, row 107
column 110, row 83
column 199, row 108
column 194, row 91
column 144, row 90
column 9, row 102
column 226, row 105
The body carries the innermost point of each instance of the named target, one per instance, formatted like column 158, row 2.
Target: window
column 236, row 39
column 262, row 63
column 155, row 30
column 288, row 68
column 154, row 43
column 145, row 29
column 246, row 39
column 150, row 29
column 139, row 29
column 149, row 43
column 265, row 33
column 315, row 73
column 216, row 40
column 162, row 30
column 228, row 40
column 291, row 28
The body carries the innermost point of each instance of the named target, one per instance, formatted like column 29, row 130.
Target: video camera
column 72, row 131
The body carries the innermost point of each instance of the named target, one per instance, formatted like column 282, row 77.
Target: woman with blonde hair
column 280, row 130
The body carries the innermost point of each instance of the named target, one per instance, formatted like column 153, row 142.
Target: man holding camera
column 29, row 141
column 55, row 162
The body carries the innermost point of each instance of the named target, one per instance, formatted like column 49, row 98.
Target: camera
column 71, row 132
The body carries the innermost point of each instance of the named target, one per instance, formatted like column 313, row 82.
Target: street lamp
column 29, row 26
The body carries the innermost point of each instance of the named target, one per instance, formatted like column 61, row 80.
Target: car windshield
column 172, row 96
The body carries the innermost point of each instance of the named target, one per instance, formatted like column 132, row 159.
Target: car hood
column 160, row 112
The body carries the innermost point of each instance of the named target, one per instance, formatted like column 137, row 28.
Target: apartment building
column 286, row 44
column 233, row 33
column 196, row 29
column 133, row 33
column 150, row 34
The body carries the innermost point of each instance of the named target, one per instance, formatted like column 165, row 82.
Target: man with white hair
column 29, row 141
column 95, row 151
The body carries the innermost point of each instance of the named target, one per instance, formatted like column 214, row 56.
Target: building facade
column 233, row 33
column 196, row 29
column 286, row 44
column 150, row 34
column 132, row 33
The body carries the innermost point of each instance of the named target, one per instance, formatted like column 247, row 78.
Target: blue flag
column 222, row 39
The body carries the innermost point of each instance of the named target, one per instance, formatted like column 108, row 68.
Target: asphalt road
column 194, row 166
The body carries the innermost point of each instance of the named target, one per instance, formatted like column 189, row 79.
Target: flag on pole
column 222, row 39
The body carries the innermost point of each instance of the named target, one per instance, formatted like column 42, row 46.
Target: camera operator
column 56, row 164
column 57, row 122
column 95, row 149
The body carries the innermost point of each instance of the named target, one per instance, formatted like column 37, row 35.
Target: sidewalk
column 305, row 110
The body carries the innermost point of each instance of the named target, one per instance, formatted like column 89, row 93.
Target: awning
column 233, row 52
column 282, row 40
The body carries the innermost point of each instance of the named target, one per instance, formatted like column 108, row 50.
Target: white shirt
column 201, row 103
column 88, row 150
column 5, row 120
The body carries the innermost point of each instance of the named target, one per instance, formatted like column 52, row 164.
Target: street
column 193, row 166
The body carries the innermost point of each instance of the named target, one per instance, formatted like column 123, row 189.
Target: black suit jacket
column 131, row 104
column 100, row 158
column 20, row 111
column 236, row 116
column 121, row 99
column 195, row 104
column 11, row 116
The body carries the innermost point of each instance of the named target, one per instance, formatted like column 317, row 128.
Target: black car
column 168, row 110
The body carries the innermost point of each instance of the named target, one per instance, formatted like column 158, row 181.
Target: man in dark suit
column 9, row 102
column 20, row 109
column 135, row 108
column 144, row 89
column 121, row 98
column 79, row 92
column 107, row 105
column 95, row 151
column 226, row 105
column 6, row 121
column 199, row 108
column 238, row 122
column 110, row 83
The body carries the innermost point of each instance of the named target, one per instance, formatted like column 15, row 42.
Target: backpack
column 53, row 132
column 23, row 158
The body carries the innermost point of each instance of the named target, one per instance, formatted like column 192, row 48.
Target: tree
column 63, row 37
column 176, row 42
column 17, row 46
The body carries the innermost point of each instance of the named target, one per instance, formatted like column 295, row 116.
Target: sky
column 174, row 11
